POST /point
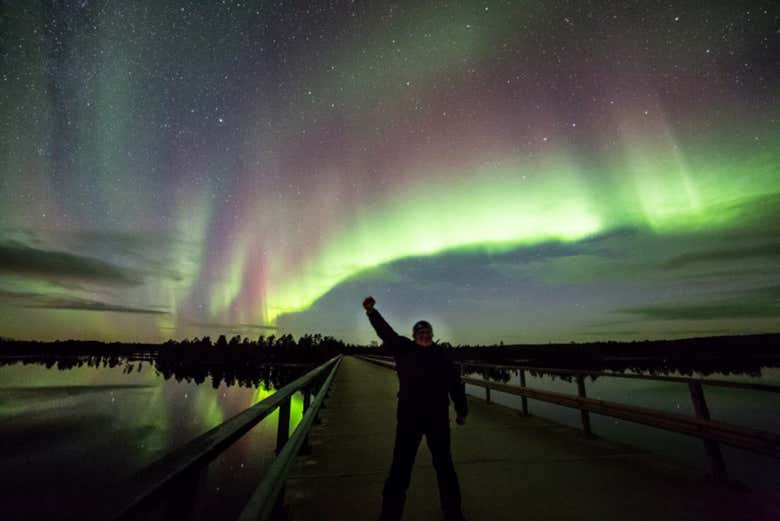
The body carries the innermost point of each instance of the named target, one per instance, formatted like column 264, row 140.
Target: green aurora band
column 522, row 203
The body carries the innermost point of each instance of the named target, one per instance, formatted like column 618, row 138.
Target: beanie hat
column 422, row 325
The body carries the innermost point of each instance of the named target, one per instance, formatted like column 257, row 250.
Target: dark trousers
column 407, row 438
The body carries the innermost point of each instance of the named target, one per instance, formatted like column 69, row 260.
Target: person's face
column 423, row 337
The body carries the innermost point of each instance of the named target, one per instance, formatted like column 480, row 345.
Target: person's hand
column 368, row 303
column 460, row 420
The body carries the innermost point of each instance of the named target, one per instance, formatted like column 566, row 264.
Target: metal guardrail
column 153, row 480
column 711, row 432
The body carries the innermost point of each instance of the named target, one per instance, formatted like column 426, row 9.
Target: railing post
column 585, row 415
column 306, row 448
column 283, row 427
column 487, row 394
column 282, row 435
column 317, row 419
column 523, row 399
column 712, row 448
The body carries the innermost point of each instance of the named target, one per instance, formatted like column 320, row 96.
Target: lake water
column 69, row 438
column 755, row 409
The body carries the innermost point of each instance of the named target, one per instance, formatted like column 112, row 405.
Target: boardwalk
column 510, row 467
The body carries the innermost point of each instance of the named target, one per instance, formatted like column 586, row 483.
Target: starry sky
column 531, row 171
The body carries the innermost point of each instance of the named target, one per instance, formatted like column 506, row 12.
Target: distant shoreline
column 744, row 354
column 750, row 337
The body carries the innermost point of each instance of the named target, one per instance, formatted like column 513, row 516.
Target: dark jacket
column 426, row 376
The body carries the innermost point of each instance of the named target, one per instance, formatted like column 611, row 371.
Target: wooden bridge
column 510, row 466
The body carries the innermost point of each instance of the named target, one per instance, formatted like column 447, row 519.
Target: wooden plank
column 523, row 400
column 283, row 425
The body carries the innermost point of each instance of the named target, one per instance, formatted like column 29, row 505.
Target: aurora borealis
column 511, row 171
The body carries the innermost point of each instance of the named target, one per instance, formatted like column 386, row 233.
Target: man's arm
column 458, row 393
column 382, row 328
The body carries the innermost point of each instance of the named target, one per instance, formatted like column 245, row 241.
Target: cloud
column 59, row 266
column 231, row 327
column 703, row 311
column 152, row 250
column 151, row 253
column 754, row 303
column 122, row 242
column 93, row 305
column 127, row 242
column 617, row 332
column 39, row 301
column 724, row 255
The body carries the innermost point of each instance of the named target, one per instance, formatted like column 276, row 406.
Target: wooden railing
column 711, row 432
column 152, row 482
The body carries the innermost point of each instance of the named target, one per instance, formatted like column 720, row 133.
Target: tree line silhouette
column 275, row 360
column 735, row 354
column 271, row 361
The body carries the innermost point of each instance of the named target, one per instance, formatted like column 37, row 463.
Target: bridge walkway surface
column 510, row 467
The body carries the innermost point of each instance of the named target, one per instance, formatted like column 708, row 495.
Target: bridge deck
column 510, row 467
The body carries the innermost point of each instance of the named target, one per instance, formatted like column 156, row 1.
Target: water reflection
column 704, row 368
column 66, row 447
column 270, row 361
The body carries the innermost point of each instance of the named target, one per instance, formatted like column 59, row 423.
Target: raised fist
column 368, row 303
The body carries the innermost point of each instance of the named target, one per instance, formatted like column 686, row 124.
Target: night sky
column 510, row 171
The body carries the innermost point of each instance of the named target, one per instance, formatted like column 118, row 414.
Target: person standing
column 427, row 379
